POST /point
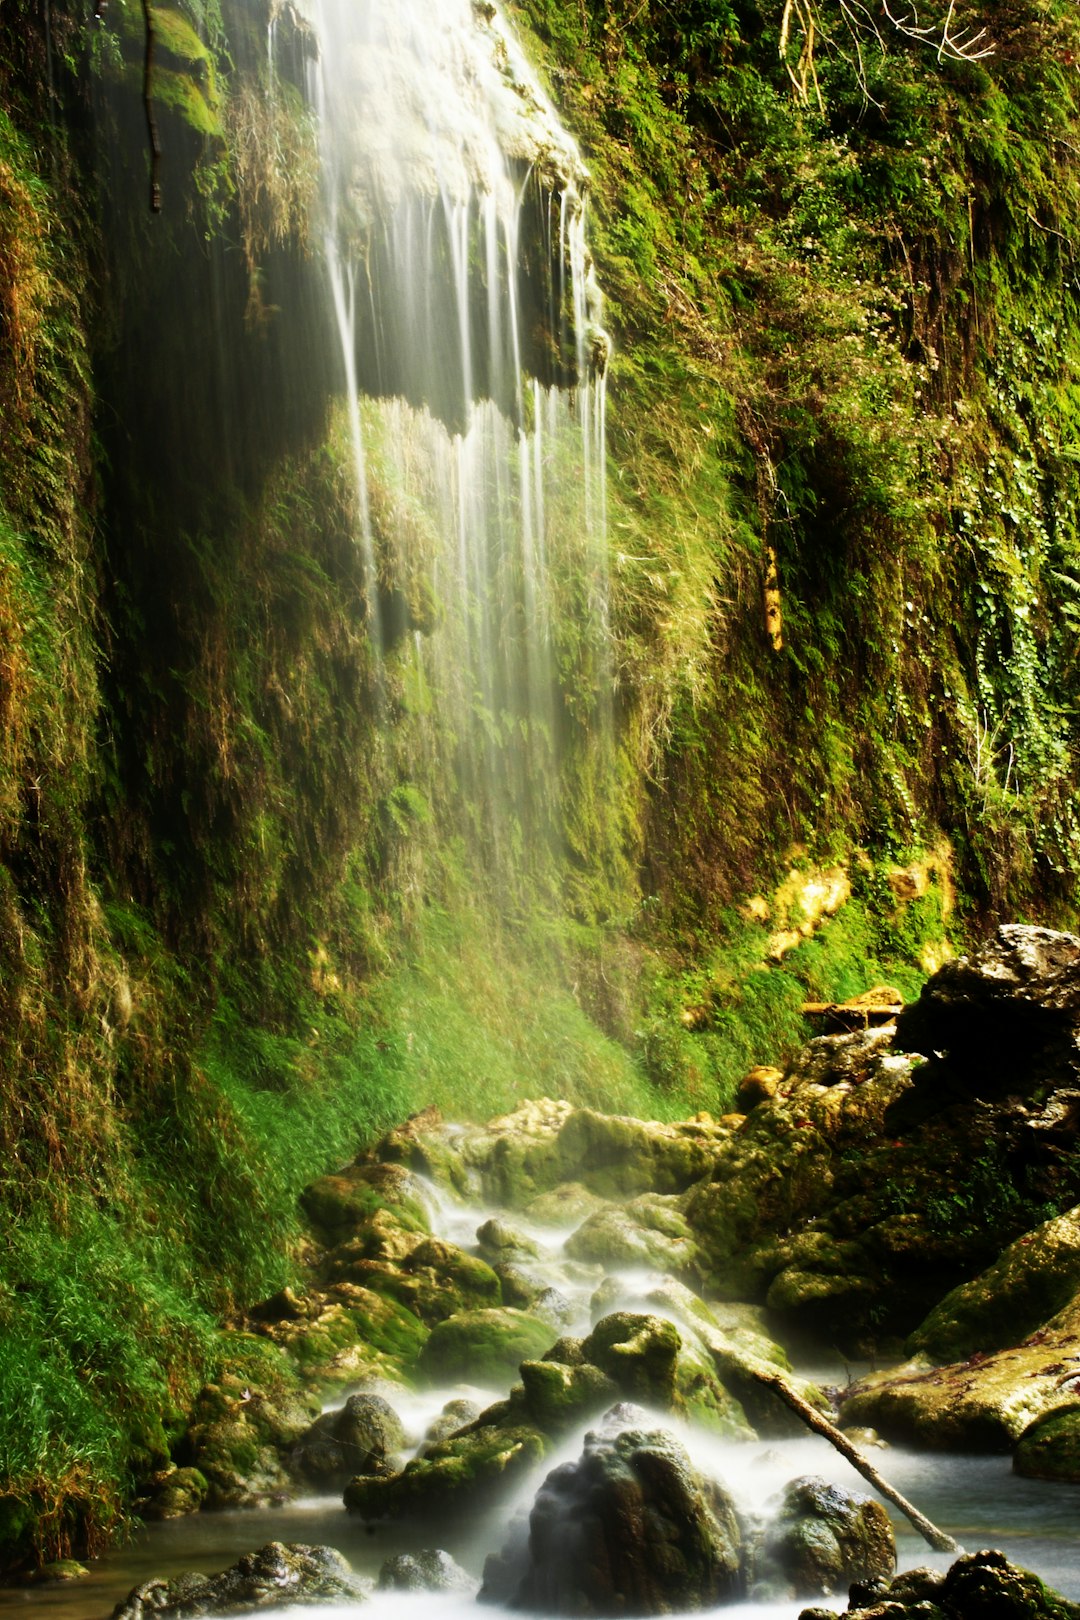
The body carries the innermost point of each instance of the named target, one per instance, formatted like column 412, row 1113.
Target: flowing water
column 977, row 1499
column 472, row 365
column 472, row 381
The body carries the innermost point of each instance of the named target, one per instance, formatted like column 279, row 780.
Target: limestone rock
column 629, row 1529
column 360, row 1438
column 430, row 1570
column 649, row 1231
column 1035, row 1277
column 484, row 1347
column 824, row 1538
column 454, row 1475
column 1050, row 1447
column 979, row 1586
column 278, row 1576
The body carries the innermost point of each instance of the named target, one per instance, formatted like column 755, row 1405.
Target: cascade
column 472, row 365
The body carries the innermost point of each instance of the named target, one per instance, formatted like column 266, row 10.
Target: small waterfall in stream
column 472, row 364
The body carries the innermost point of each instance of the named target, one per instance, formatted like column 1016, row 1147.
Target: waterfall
column 472, row 364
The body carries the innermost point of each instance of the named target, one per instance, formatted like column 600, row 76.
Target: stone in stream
column 824, row 1538
column 649, row 1231
column 629, row 1529
column 278, row 1576
column 363, row 1437
column 483, row 1347
column 455, row 1415
column 979, row 1586
column 430, row 1570
column 1050, row 1447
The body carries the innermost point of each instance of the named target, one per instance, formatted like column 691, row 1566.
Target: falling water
column 472, row 365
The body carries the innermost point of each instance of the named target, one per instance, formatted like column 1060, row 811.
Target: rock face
column 278, row 1576
column 824, row 1538
column 1049, row 1448
column 629, row 1529
column 999, row 1022
column 980, row 1586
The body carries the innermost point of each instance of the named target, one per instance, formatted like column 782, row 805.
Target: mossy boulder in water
column 1050, row 1448
column 429, row 1570
column 629, row 1529
column 239, row 1435
column 362, row 1437
column 649, row 1231
column 1034, row 1279
column 365, row 1197
column 558, row 1396
column 278, row 1576
column 824, row 1537
column 979, row 1586
column 484, row 1347
column 638, row 1353
column 452, row 1476
column 619, row 1157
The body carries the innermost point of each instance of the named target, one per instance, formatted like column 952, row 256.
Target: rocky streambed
column 529, row 1363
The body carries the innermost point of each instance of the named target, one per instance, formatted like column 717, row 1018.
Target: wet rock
column 619, row 1157
column 1003, row 1020
column 758, row 1086
column 455, row 1415
column 568, row 1204
column 979, row 1586
column 483, row 1347
column 430, row 1570
column 649, row 1231
column 629, row 1529
column 59, row 1569
column 1034, row 1279
column 278, row 1576
column 453, row 1476
column 557, row 1397
column 824, row 1538
column 638, row 1353
column 174, row 1493
column 381, row 1200
column 363, row 1437
column 498, row 1238
column 353, row 1332
column 239, row 1436
column 1050, row 1447
column 983, row 1404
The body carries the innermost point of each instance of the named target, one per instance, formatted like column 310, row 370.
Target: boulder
column 174, row 1493
column 619, row 1157
column 452, row 1476
column 649, row 1231
column 430, row 1570
column 456, row 1414
column 1034, row 1279
column 362, row 1437
column 629, row 1529
column 239, row 1436
column 1003, row 1020
column 979, row 1586
column 638, row 1353
column 824, row 1538
column 483, row 1347
column 278, row 1576
column 1049, row 1448
column 982, row 1404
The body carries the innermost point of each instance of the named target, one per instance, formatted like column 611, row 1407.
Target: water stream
column 977, row 1499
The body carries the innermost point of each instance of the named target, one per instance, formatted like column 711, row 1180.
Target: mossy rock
column 825, row 1537
column 175, row 1493
column 452, row 1476
column 639, row 1354
column 558, row 1396
column 349, row 1201
column 650, row 1231
column 483, row 1347
column 620, row 1157
column 1050, row 1448
column 568, row 1204
column 1034, row 1279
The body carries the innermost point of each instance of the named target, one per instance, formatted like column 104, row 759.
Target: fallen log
column 821, row 1425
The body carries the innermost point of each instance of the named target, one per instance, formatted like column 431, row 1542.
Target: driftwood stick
column 814, row 1420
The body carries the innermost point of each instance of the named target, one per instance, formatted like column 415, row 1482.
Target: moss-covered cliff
column 243, row 915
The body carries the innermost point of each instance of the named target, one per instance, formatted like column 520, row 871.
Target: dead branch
column 821, row 1425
